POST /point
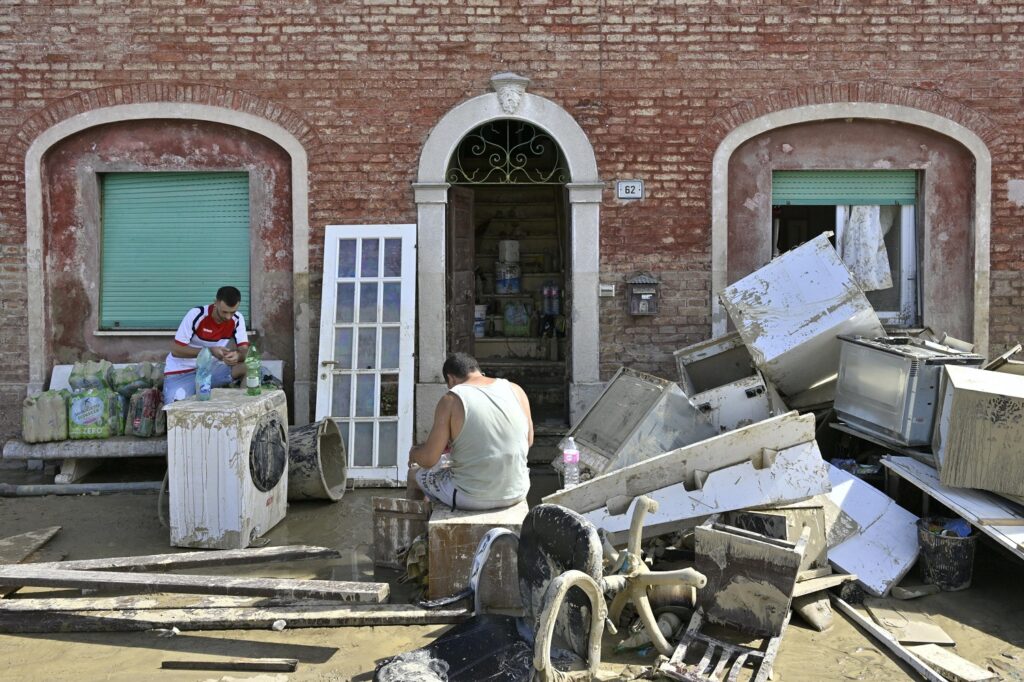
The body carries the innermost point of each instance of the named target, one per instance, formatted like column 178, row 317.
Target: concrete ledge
column 118, row 446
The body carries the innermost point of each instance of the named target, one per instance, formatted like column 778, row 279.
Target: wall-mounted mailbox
column 643, row 294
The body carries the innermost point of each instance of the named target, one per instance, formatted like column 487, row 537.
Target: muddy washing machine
column 227, row 464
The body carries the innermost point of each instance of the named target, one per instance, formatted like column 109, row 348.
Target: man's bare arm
column 428, row 453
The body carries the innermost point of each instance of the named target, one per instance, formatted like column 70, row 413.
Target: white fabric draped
column 862, row 246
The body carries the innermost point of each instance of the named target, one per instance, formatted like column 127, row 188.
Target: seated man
column 211, row 326
column 488, row 426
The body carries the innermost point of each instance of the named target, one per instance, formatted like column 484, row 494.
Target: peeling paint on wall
column 1015, row 192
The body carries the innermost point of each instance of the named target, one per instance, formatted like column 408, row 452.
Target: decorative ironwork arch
column 505, row 152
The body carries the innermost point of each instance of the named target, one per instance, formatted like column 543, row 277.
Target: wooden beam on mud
column 337, row 590
column 181, row 560
column 261, row 665
column 251, row 618
column 17, row 548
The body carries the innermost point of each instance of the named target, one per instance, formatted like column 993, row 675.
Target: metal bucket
column 317, row 462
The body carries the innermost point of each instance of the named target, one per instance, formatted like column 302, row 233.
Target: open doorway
column 507, row 267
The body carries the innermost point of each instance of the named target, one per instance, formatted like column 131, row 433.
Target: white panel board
column 797, row 473
column 880, row 545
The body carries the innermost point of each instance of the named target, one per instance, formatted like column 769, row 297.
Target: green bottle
column 252, row 371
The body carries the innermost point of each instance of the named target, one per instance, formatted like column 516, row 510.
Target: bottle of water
column 571, row 463
column 204, row 374
column 252, row 371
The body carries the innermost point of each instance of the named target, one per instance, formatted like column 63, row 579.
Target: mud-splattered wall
column 72, row 227
column 944, row 207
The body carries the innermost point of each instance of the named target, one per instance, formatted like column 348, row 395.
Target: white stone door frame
column 863, row 110
column 509, row 101
column 170, row 110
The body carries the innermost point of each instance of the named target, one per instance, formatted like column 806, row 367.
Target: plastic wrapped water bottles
column 204, row 374
column 571, row 463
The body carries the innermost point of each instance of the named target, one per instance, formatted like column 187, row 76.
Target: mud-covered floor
column 986, row 621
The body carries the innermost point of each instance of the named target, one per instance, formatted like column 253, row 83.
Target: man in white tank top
column 485, row 427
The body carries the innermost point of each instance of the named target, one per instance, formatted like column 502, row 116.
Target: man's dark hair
column 459, row 365
column 229, row 295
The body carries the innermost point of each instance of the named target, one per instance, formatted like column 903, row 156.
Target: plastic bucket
column 946, row 561
column 506, row 278
column 317, row 463
column 479, row 320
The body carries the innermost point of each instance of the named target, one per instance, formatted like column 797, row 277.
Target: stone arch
column 509, row 101
column 71, row 121
column 971, row 140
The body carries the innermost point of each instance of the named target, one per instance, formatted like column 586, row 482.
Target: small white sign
column 629, row 189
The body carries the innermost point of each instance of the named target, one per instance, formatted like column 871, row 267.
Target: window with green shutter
column 844, row 187
column 169, row 241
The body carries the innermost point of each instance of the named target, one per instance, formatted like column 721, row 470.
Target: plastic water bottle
column 571, row 463
column 252, row 371
column 204, row 374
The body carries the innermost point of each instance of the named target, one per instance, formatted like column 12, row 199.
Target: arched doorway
column 582, row 197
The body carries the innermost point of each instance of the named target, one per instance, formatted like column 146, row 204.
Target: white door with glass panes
column 365, row 369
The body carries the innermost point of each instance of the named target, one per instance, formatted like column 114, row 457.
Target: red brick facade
column 656, row 86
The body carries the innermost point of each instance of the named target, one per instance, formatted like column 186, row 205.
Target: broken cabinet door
column 365, row 370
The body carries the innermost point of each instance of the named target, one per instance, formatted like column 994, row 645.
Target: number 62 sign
column 629, row 189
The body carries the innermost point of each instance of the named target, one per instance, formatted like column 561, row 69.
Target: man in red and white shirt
column 219, row 327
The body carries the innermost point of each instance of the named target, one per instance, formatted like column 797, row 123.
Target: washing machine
column 227, row 464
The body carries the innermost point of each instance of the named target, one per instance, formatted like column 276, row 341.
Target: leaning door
column 365, row 378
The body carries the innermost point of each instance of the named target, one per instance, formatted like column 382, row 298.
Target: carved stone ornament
column 510, row 88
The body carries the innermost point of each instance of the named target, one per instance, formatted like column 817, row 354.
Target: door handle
column 328, row 363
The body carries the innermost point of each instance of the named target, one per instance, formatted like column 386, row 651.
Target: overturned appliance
column 636, row 417
column 790, row 312
column 888, row 386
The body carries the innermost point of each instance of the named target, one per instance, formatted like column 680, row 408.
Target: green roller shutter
column 855, row 188
column 170, row 240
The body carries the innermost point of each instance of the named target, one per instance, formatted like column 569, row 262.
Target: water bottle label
column 571, row 457
column 252, row 381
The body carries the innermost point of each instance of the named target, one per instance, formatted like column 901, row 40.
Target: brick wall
column 655, row 85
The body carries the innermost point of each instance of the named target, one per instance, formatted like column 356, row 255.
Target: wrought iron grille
column 506, row 152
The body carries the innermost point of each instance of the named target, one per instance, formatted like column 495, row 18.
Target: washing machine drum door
column 268, row 453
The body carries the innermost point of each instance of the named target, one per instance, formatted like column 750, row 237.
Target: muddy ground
column 986, row 621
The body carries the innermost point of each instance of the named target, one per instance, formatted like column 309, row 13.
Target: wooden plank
column 135, row 603
column 678, row 466
column 819, row 584
column 906, row 627
column 27, row 575
column 252, row 618
column 266, row 665
column 951, row 666
column 794, row 473
column 1000, row 522
column 180, row 560
column 17, row 548
column 970, row 505
column 901, row 652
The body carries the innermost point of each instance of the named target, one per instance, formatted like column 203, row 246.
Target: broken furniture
column 453, row 537
column 750, row 582
column 889, row 386
column 790, row 312
column 979, row 430
column 678, row 478
column 227, row 459
column 787, row 522
column 636, row 417
column 559, row 637
column 396, row 523
column 869, row 534
column 79, row 457
column 1000, row 519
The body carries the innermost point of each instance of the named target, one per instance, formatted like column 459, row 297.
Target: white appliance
column 227, row 463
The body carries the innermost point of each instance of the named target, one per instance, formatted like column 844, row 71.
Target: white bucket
column 506, row 278
column 479, row 320
column 508, row 251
